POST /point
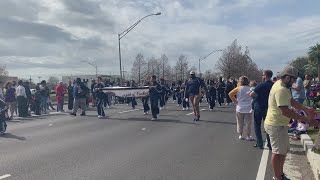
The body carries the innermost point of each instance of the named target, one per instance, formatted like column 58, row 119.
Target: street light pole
column 93, row 65
column 203, row 58
column 124, row 33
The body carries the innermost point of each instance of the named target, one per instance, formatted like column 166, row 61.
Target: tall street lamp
column 125, row 32
column 93, row 65
column 203, row 58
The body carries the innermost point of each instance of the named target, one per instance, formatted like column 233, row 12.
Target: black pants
column 145, row 101
column 70, row 102
column 259, row 117
column 174, row 96
column 179, row 97
column 154, row 101
column 228, row 98
column 162, row 100
column 185, row 104
column 37, row 107
column 22, row 106
column 3, row 125
column 212, row 101
column 100, row 103
column 133, row 102
column 221, row 98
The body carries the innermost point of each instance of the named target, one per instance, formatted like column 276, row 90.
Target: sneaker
column 73, row 114
column 99, row 116
column 240, row 137
column 183, row 109
column 187, row 108
column 160, row 108
column 153, row 119
column 249, row 138
column 178, row 105
column 83, row 114
column 211, row 109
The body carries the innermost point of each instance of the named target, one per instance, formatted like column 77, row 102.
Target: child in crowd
column 252, row 85
column 298, row 127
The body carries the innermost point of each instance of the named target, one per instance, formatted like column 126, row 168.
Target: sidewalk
column 297, row 166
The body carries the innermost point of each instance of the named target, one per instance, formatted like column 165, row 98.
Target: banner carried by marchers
column 127, row 91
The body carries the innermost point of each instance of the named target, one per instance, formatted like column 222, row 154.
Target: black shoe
column 73, row 114
column 83, row 114
column 258, row 146
column 284, row 177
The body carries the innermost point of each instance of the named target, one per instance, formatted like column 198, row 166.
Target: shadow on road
column 158, row 120
column 219, row 122
column 12, row 136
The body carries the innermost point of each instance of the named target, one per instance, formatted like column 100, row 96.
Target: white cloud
column 57, row 35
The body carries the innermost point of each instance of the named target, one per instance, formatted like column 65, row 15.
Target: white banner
column 127, row 91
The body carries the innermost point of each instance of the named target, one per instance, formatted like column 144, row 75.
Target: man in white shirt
column 22, row 100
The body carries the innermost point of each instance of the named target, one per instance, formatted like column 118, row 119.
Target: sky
column 42, row 38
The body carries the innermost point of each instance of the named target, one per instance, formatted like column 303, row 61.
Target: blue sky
column 51, row 38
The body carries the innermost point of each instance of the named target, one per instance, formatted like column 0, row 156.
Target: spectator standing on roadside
column 260, row 106
column 60, row 91
column 44, row 90
column 22, row 100
column 307, row 85
column 278, row 116
column 10, row 99
column 70, row 96
column 100, row 95
column 241, row 98
column 221, row 87
column 298, row 92
column 80, row 97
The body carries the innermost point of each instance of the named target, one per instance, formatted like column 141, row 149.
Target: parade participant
column 163, row 94
column 174, row 91
column 100, row 95
column 193, row 91
column 221, row 86
column 185, row 97
column 133, row 98
column 79, row 94
column 154, row 92
column 212, row 94
column 179, row 92
column 145, row 101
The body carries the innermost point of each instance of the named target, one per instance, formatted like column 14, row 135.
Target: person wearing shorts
column 193, row 91
column 278, row 116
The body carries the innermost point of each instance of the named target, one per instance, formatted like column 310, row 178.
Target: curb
column 313, row 158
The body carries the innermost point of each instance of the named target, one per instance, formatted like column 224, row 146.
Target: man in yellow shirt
column 278, row 116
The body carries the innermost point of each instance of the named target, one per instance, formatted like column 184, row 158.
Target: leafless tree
column 165, row 67
column 152, row 68
column 139, row 68
column 3, row 72
column 235, row 63
column 182, row 67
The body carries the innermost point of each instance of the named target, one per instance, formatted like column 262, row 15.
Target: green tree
column 314, row 56
column 300, row 64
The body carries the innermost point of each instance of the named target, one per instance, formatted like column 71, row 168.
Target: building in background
column 10, row 79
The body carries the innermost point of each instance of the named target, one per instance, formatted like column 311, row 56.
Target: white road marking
column 192, row 112
column 129, row 111
column 202, row 109
column 50, row 124
column 143, row 129
column 263, row 163
column 5, row 176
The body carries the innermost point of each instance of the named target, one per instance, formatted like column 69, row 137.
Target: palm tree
column 314, row 56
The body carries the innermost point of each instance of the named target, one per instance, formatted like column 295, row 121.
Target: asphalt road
column 127, row 145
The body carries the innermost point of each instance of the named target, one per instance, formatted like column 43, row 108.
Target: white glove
column 187, row 99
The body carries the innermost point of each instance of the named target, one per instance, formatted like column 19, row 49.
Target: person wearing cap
column 278, row 116
column 193, row 91
column 60, row 91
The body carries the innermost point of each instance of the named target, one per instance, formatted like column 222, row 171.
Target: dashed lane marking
column 5, row 176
